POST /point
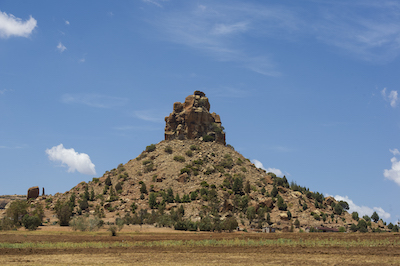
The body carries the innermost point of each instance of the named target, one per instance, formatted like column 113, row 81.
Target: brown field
column 148, row 246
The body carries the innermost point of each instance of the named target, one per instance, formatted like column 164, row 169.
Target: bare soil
column 259, row 255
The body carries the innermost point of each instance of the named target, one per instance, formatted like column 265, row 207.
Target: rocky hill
column 193, row 176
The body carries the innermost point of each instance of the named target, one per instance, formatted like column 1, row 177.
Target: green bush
column 151, row 148
column 17, row 211
column 189, row 153
column 168, row 149
column 375, row 217
column 194, row 147
column 208, row 138
column 179, row 158
column 108, row 181
column 31, row 222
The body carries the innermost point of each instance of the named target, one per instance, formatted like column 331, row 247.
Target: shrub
column 274, row 191
column 108, row 181
column 189, row 153
column 305, row 206
column 31, row 222
column 143, row 188
column 149, row 168
column 316, row 217
column 118, row 187
column 362, row 226
column 375, row 217
column 168, row 149
column 194, row 147
column 208, row 138
column 151, row 148
column 146, row 162
column 338, row 209
column 353, row 227
column 366, row 218
column 342, row 229
column 297, row 223
column 354, row 215
column 230, row 224
column 83, row 204
column 179, row 158
column 113, row 230
column 16, row 211
column 152, row 200
column 64, row 213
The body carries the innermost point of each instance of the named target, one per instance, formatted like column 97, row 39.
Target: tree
column 118, row 187
column 108, row 181
column 354, row 215
column 375, row 217
column 289, row 214
column 16, row 211
column 86, row 193
column 366, row 218
column 344, row 205
column 274, row 191
column 31, row 222
column 353, row 227
column 338, row 209
column 247, row 187
column 362, row 226
column 152, row 200
column 83, row 204
column 92, row 195
column 143, row 188
column 230, row 224
column 64, row 213
column 237, row 185
column 297, row 223
column 251, row 213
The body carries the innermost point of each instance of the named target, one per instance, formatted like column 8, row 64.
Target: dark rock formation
column 33, row 193
column 193, row 120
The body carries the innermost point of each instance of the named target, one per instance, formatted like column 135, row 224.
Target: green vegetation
column 151, row 148
column 179, row 158
column 168, row 149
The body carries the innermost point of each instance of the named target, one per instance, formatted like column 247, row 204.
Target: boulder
column 182, row 178
column 193, row 120
column 267, row 203
column 33, row 193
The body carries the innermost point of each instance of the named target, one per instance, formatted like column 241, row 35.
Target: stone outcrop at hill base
column 193, row 120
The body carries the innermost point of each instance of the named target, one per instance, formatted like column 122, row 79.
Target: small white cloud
column 392, row 97
column 223, row 29
column 3, row 91
column 258, row 164
column 61, row 47
column 395, row 152
column 75, row 161
column 66, row 22
column 12, row 26
column 154, row 2
column 363, row 210
column 393, row 173
column 82, row 60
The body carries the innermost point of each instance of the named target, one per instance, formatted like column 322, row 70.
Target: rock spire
column 193, row 120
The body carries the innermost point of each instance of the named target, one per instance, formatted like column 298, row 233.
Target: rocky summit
column 192, row 180
column 193, row 120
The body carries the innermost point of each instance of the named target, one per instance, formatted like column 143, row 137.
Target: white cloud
column 66, row 22
column 364, row 210
column 94, row 100
column 258, row 164
column 12, row 26
column 154, row 2
column 221, row 29
column 75, row 161
column 393, row 173
column 392, row 97
column 395, row 152
column 61, row 47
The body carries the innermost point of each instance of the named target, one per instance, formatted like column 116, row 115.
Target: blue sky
column 306, row 88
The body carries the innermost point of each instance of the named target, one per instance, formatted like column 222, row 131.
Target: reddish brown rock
column 267, row 203
column 193, row 120
column 33, row 193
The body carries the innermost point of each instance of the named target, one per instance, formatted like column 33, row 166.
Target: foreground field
column 175, row 248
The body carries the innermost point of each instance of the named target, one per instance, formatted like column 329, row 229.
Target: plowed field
column 175, row 248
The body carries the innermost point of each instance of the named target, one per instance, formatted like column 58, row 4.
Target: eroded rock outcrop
column 33, row 193
column 193, row 120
